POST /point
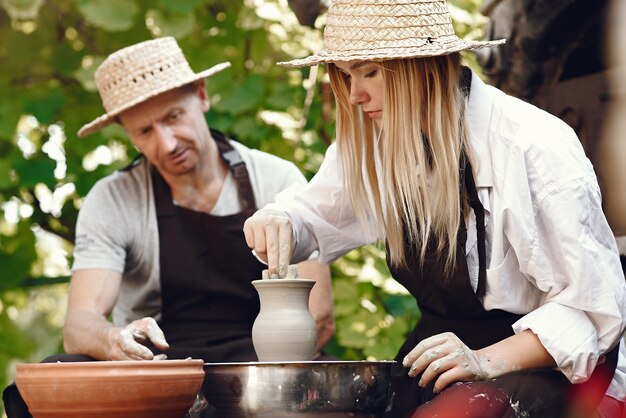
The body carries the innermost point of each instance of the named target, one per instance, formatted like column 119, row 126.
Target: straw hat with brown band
column 136, row 73
column 379, row 30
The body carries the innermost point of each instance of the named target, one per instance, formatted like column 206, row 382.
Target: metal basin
column 334, row 389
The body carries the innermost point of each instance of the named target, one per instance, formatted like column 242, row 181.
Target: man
column 159, row 245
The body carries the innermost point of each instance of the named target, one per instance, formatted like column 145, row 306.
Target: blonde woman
column 490, row 212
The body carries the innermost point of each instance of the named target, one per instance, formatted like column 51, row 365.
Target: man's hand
column 270, row 234
column 125, row 343
column 446, row 358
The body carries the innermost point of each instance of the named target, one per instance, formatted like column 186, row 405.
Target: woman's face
column 365, row 79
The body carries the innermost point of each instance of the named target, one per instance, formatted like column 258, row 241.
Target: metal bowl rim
column 310, row 362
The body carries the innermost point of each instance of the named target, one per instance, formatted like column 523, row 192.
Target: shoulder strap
column 238, row 168
column 472, row 196
column 466, row 81
column 134, row 163
column 479, row 211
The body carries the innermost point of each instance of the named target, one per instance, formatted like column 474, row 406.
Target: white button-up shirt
column 551, row 255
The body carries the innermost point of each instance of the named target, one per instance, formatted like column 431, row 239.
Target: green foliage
column 109, row 15
column 30, row 321
column 373, row 313
column 48, row 57
column 18, row 251
column 180, row 6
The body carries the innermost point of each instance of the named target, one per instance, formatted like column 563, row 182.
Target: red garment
column 611, row 408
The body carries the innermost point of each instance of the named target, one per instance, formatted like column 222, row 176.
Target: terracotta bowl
column 120, row 389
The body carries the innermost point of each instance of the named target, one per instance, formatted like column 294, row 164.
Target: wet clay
column 284, row 330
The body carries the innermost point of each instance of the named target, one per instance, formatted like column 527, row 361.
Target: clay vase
column 284, row 330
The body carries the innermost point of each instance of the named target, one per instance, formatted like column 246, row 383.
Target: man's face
column 170, row 129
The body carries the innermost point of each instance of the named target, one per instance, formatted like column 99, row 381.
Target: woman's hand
column 270, row 234
column 446, row 358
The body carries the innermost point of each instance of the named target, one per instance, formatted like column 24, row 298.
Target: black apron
column 208, row 302
column 448, row 303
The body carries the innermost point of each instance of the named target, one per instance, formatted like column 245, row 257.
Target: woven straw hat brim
column 441, row 46
column 109, row 117
column 379, row 30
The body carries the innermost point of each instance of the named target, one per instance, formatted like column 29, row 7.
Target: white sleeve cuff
column 568, row 335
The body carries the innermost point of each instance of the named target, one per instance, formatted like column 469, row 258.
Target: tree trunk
column 547, row 41
column 555, row 58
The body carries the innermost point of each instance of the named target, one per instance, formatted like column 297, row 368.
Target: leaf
column 334, row 348
column 346, row 308
column 344, row 290
column 258, row 136
column 350, row 336
column 22, row 9
column 282, row 148
column 281, row 97
column 398, row 330
column 17, row 257
column 110, row 15
column 86, row 181
column 179, row 6
column 66, row 59
column 14, row 342
column 5, row 174
column 389, row 340
column 382, row 349
column 398, row 305
column 248, row 20
column 23, row 61
column 45, row 106
column 34, row 171
column 85, row 75
column 9, row 116
column 164, row 23
column 245, row 128
column 217, row 84
column 243, row 98
column 220, row 121
column 358, row 329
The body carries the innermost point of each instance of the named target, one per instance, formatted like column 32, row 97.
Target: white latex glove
column 446, row 358
column 125, row 342
column 270, row 234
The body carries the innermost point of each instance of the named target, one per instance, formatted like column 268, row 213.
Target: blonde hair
column 416, row 197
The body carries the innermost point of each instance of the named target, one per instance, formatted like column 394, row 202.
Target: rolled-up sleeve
column 322, row 216
column 574, row 261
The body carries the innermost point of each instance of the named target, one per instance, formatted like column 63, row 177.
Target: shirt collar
column 479, row 116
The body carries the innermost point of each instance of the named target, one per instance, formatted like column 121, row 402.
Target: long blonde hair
column 416, row 197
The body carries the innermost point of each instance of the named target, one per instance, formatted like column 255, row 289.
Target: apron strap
column 237, row 167
column 479, row 211
column 472, row 195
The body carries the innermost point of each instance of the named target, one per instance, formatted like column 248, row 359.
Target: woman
column 489, row 210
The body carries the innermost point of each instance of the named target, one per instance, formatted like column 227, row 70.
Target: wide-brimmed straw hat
column 136, row 73
column 379, row 30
